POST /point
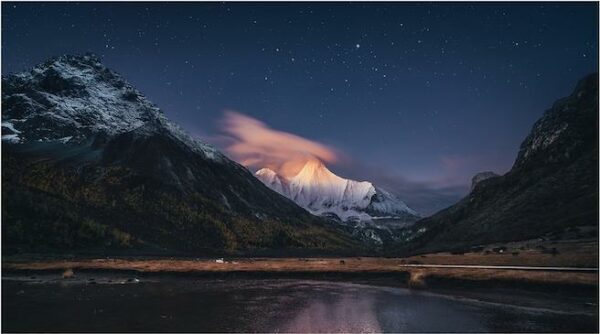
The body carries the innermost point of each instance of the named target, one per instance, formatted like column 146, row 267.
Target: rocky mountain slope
column 552, row 186
column 88, row 163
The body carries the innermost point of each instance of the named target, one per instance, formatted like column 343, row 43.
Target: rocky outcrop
column 477, row 178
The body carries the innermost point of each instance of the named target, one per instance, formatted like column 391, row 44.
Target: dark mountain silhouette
column 552, row 186
column 90, row 164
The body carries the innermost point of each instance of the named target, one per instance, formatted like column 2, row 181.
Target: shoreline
column 333, row 268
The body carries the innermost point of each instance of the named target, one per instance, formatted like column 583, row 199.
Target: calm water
column 110, row 303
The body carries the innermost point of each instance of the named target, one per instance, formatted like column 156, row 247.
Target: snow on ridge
column 387, row 202
column 11, row 138
column 272, row 180
column 10, row 126
column 78, row 96
column 198, row 146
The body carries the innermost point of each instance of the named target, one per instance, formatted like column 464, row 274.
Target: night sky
column 415, row 97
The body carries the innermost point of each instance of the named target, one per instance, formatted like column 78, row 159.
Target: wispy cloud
column 254, row 144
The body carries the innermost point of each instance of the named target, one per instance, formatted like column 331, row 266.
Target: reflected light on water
column 343, row 315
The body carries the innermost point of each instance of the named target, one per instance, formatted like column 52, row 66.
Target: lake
column 108, row 303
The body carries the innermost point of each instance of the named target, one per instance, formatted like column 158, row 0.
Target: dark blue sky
column 417, row 96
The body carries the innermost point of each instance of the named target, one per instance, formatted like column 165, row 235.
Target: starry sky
column 416, row 97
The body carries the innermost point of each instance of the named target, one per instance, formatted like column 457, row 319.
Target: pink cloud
column 254, row 144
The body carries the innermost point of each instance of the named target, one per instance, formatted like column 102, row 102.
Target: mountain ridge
column 90, row 163
column 85, row 98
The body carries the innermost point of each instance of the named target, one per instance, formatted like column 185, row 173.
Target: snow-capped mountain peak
column 316, row 187
column 80, row 98
column 322, row 192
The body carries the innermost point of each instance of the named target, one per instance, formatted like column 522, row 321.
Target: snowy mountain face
column 80, row 99
column 321, row 192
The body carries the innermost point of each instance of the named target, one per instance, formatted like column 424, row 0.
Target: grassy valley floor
column 529, row 253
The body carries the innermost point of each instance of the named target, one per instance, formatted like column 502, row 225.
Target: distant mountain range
column 552, row 186
column 88, row 163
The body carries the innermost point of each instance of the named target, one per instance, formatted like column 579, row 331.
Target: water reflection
column 344, row 308
column 244, row 305
column 342, row 314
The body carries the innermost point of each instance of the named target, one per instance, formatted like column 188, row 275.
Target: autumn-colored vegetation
column 62, row 208
column 285, row 266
